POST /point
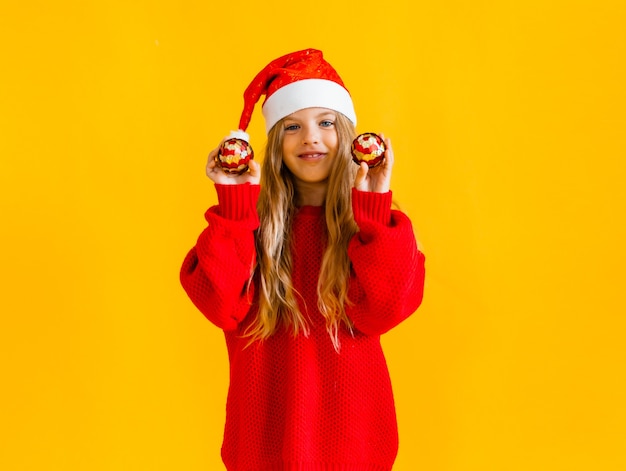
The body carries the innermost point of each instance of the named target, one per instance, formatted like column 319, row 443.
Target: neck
column 311, row 194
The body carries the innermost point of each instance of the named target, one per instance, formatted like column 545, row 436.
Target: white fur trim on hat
column 308, row 93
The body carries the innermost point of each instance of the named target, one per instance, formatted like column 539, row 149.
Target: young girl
column 304, row 265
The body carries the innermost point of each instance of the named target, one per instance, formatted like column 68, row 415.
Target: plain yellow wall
column 508, row 122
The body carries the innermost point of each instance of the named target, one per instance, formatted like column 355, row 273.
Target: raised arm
column 216, row 272
column 387, row 282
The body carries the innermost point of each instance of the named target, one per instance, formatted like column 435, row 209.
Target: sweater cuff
column 237, row 202
column 371, row 206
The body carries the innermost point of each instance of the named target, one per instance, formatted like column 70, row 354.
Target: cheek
column 332, row 144
column 288, row 162
column 332, row 139
column 288, row 144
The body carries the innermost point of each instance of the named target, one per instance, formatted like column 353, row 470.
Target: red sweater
column 294, row 403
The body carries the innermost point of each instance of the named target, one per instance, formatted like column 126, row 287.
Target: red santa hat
column 295, row 81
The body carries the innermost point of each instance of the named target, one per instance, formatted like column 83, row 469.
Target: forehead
column 311, row 113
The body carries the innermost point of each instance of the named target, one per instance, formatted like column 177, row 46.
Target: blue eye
column 292, row 127
column 326, row 123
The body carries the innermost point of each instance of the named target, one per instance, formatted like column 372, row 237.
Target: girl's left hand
column 378, row 179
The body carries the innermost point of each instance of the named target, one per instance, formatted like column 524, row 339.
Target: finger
column 255, row 171
column 211, row 157
column 384, row 184
column 255, row 168
column 360, row 181
column 213, row 153
column 389, row 156
column 210, row 166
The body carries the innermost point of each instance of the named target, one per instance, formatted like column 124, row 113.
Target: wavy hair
column 278, row 299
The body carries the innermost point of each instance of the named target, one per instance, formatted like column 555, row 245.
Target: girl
column 304, row 265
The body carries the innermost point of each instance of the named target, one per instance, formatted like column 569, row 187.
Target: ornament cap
column 239, row 134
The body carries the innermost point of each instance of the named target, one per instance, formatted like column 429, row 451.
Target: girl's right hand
column 217, row 175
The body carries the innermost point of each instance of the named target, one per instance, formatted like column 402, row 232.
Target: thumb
column 361, row 175
column 255, row 171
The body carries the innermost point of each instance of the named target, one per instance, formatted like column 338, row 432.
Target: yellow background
column 508, row 122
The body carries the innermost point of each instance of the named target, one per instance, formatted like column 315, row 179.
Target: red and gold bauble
column 234, row 155
column 369, row 148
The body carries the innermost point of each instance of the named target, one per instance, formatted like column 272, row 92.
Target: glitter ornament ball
column 369, row 148
column 234, row 155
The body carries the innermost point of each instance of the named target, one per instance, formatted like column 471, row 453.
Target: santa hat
column 295, row 81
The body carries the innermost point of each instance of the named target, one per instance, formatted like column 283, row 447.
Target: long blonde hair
column 278, row 299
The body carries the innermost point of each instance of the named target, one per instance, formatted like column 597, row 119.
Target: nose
column 310, row 135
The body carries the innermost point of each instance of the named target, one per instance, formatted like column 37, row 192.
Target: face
column 310, row 146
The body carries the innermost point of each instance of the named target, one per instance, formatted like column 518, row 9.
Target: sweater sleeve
column 387, row 279
column 216, row 272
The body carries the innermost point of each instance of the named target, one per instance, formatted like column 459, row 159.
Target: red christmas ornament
column 369, row 148
column 234, row 154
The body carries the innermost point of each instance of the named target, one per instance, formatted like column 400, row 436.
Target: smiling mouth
column 312, row 156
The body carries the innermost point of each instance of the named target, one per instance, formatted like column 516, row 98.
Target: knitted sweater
column 294, row 403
